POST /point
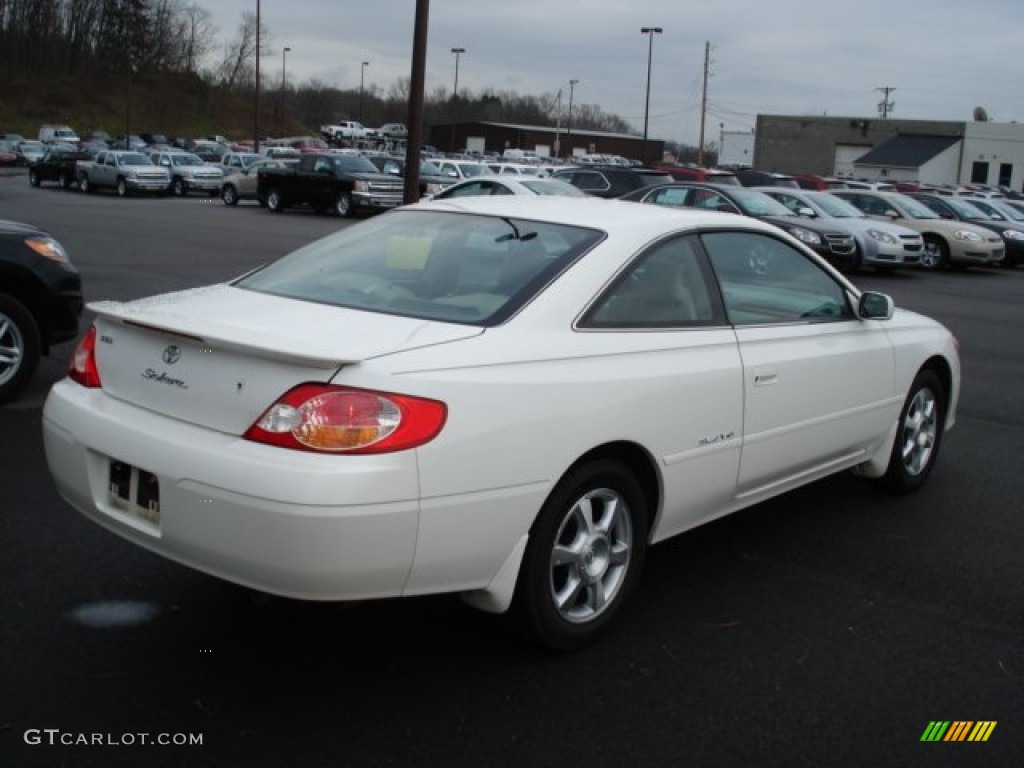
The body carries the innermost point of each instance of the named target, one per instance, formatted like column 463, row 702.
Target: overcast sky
column 792, row 57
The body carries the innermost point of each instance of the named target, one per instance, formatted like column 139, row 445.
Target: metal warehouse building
column 542, row 140
column 929, row 151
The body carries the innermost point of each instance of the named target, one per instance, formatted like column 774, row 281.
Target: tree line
column 150, row 38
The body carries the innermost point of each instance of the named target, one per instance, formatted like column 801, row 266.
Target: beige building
column 930, row 151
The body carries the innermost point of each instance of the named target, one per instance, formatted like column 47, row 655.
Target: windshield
column 998, row 209
column 354, row 164
column 834, row 207
column 474, row 169
column 429, row 169
column 966, row 210
column 186, row 159
column 133, row 158
column 908, row 206
column 443, row 266
column 552, row 187
column 754, row 203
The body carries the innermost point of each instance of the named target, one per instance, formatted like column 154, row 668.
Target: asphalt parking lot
column 828, row 627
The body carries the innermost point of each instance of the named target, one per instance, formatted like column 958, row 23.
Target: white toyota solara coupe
column 505, row 397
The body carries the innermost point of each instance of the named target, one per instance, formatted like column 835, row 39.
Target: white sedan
column 505, row 397
column 509, row 185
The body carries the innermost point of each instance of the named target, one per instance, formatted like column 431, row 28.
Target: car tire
column 585, row 553
column 84, row 185
column 122, row 188
column 179, row 188
column 20, row 346
column 343, row 205
column 275, row 201
column 63, row 180
column 918, row 434
column 935, row 254
column 33, row 178
column 229, row 195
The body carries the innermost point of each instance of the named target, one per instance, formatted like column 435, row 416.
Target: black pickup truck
column 344, row 183
column 57, row 165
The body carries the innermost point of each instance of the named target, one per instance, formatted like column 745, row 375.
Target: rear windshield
column 451, row 267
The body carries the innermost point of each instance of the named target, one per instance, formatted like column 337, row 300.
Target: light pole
column 458, row 52
column 650, row 32
column 362, row 78
column 455, row 93
column 568, row 125
column 256, row 111
column 284, row 83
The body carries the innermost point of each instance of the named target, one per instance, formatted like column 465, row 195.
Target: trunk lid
column 219, row 356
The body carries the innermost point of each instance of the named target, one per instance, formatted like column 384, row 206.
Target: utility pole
column 885, row 106
column 256, row 110
column 703, row 104
column 650, row 32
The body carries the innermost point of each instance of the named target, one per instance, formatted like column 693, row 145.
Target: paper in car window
column 407, row 252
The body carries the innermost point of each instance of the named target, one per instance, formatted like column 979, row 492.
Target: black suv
column 40, row 302
column 831, row 242
column 611, row 180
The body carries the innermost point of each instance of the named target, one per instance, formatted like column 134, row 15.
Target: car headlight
column 805, row 235
column 48, row 248
column 883, row 237
column 361, row 186
column 1012, row 234
column 963, row 234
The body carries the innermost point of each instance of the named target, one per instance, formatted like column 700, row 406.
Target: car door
column 818, row 382
column 662, row 331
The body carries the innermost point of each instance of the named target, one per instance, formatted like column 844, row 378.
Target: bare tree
column 238, row 68
column 197, row 33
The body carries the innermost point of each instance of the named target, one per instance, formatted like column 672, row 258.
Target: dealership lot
column 830, row 626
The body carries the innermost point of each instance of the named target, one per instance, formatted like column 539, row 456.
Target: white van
column 58, row 134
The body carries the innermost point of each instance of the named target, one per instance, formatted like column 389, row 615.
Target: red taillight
column 83, row 368
column 331, row 419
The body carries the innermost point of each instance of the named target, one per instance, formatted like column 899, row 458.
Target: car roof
column 594, row 213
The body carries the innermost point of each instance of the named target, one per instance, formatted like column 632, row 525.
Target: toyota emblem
column 172, row 354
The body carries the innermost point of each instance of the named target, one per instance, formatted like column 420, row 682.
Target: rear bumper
column 299, row 525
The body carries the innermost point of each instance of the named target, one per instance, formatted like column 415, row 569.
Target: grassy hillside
column 177, row 105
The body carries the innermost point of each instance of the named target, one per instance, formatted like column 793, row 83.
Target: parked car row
column 852, row 227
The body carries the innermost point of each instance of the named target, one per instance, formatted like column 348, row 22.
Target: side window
column 321, row 165
column 764, row 281
column 663, row 288
column 710, row 200
column 674, row 196
column 874, row 206
column 590, row 181
column 789, row 201
column 471, row 189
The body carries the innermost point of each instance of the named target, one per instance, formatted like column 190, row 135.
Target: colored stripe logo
column 959, row 730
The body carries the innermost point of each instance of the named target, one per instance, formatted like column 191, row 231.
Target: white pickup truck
column 124, row 171
column 347, row 130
